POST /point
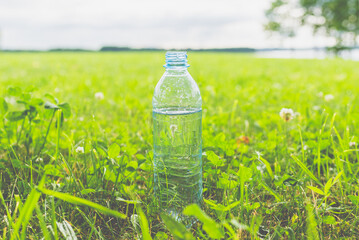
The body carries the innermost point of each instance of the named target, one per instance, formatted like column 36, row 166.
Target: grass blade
column 26, row 212
column 178, row 230
column 269, row 169
column 92, row 225
column 66, row 230
column 271, row 191
column 79, row 201
column 312, row 233
column 230, row 230
column 209, row 225
column 7, row 210
column 144, row 225
column 42, row 222
column 305, row 169
column 317, row 190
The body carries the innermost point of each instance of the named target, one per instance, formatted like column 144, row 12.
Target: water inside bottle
column 177, row 160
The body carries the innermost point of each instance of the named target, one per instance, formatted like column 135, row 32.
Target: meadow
column 76, row 147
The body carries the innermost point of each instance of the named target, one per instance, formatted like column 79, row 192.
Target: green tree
column 338, row 19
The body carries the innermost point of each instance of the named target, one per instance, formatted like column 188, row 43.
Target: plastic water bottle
column 177, row 136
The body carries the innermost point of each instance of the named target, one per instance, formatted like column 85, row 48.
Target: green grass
column 262, row 176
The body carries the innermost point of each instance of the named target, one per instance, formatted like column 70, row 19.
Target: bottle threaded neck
column 176, row 60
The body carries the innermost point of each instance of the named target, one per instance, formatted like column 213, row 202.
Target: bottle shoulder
column 177, row 89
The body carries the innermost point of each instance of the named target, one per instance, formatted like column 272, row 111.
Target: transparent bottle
column 177, row 135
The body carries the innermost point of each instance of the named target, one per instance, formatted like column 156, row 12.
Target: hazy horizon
column 42, row 25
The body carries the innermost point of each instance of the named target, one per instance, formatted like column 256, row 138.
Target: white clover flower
column 316, row 108
column 173, row 129
column 99, row 95
column 328, row 97
column 80, row 150
column 57, row 90
column 259, row 154
column 352, row 144
column 81, row 119
column 305, row 147
column 6, row 220
column 55, row 185
column 287, row 114
column 320, row 94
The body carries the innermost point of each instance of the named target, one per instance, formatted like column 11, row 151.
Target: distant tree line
column 119, row 49
column 123, row 49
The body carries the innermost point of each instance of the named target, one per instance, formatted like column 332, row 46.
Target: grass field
column 62, row 141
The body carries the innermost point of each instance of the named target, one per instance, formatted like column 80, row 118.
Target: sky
column 91, row 24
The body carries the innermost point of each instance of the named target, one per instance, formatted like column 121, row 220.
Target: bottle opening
column 176, row 59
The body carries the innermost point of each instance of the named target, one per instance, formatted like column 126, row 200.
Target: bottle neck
column 176, row 61
column 176, row 71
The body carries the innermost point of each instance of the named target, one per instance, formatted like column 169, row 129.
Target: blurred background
column 276, row 28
